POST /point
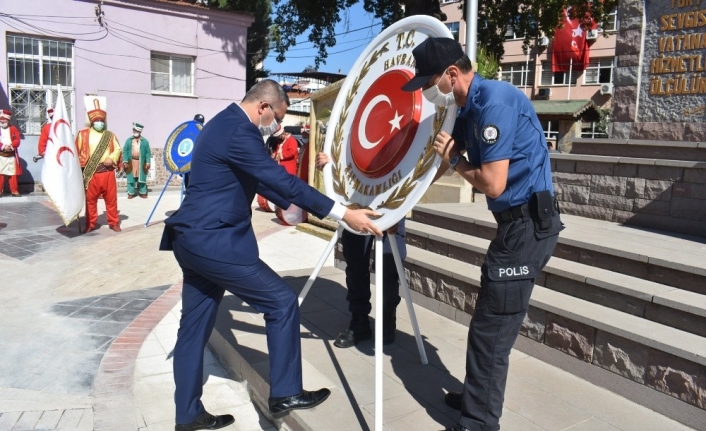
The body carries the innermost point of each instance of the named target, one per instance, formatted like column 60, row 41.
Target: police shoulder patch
column 490, row 134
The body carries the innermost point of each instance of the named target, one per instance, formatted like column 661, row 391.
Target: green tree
column 532, row 18
column 258, row 34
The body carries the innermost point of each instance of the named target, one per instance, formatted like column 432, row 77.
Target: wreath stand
column 378, row 309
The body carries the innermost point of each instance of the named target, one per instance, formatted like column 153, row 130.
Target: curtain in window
column 181, row 75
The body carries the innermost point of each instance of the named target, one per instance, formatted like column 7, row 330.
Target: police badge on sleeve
column 490, row 134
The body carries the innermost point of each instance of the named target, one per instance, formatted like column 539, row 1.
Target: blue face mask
column 99, row 126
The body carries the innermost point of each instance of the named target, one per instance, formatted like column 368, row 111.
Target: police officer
column 497, row 128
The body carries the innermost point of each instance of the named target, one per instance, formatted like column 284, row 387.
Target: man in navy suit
column 213, row 241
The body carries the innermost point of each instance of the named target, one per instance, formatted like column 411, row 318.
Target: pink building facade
column 157, row 63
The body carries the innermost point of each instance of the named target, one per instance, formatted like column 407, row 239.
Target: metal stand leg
column 158, row 199
column 378, row 332
column 408, row 300
column 320, row 264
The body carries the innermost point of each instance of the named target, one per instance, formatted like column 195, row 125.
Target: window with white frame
column 599, row 71
column 448, row 1
column 454, row 27
column 34, row 68
column 172, row 74
column 510, row 33
column 557, row 78
column 612, row 24
column 551, row 128
column 592, row 129
column 518, row 74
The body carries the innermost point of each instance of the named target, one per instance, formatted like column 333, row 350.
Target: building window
column 593, row 129
column 551, row 129
column 172, row 74
column 612, row 22
column 518, row 74
column 34, row 68
column 557, row 78
column 448, row 1
column 454, row 27
column 599, row 71
column 510, row 33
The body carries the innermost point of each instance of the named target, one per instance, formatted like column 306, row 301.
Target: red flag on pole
column 570, row 49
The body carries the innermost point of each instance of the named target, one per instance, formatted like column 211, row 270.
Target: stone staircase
column 622, row 307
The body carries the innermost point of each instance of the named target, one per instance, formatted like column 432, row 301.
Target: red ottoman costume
column 9, row 158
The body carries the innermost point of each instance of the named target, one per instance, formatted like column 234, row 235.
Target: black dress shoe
column 206, row 421
column 358, row 330
column 454, row 400
column 457, row 427
column 305, row 400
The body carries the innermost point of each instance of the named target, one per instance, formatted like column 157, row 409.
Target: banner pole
column 158, row 199
column 320, row 263
column 408, row 300
column 378, row 332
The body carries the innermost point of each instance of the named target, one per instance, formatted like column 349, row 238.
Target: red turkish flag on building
column 570, row 50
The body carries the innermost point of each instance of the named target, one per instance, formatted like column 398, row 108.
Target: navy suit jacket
column 229, row 164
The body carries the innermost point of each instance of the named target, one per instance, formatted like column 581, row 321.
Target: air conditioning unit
column 543, row 41
column 543, row 93
column 607, row 88
column 592, row 34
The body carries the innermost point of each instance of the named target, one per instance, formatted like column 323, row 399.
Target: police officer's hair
column 464, row 64
column 268, row 91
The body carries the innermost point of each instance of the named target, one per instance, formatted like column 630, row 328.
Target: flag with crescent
column 61, row 173
column 570, row 50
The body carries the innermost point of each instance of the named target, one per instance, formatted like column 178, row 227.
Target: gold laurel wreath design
column 425, row 162
column 339, row 184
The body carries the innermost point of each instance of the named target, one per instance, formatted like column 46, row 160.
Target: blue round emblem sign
column 180, row 146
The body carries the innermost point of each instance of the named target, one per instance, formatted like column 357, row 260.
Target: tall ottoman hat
column 137, row 126
column 5, row 113
column 97, row 113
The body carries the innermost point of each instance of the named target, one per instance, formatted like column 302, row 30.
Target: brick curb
column 113, row 405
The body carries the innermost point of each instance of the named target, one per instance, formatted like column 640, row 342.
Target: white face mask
column 268, row 130
column 435, row 96
column 99, row 126
column 4, row 124
column 136, row 134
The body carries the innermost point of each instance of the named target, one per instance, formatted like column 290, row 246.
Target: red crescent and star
column 385, row 124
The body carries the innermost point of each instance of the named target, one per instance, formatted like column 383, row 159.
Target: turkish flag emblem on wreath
column 385, row 124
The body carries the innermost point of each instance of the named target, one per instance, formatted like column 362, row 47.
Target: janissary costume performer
column 9, row 159
column 44, row 137
column 136, row 162
column 99, row 154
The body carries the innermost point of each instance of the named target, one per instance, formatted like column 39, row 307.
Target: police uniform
column 498, row 122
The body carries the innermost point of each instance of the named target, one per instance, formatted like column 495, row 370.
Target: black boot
column 357, row 331
column 389, row 326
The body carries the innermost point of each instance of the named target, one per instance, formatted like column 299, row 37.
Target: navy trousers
column 514, row 260
column 205, row 282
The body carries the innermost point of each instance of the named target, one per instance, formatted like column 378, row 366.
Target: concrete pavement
column 87, row 325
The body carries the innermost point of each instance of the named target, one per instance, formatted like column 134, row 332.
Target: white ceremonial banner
column 380, row 138
column 62, row 178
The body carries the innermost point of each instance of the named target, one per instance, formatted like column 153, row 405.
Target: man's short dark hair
column 268, row 91
column 464, row 64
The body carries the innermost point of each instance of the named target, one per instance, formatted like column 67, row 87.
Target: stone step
column 642, row 254
column 643, row 149
column 663, row 358
column 643, row 298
